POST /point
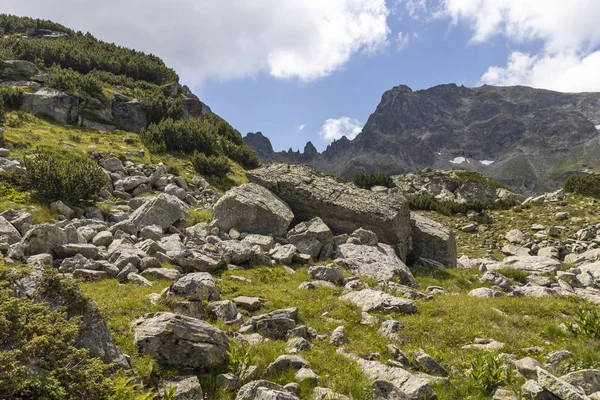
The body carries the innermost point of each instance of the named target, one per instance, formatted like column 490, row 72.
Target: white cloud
column 334, row 129
column 415, row 9
column 562, row 72
column 568, row 31
column 227, row 39
column 301, row 127
column 402, row 41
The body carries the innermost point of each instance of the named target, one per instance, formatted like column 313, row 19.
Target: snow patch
column 459, row 160
column 439, row 154
column 598, row 127
column 486, row 162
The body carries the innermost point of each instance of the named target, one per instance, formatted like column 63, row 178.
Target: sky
column 314, row 70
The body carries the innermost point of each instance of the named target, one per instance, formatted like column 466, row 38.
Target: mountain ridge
column 530, row 139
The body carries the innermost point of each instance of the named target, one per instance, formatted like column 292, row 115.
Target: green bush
column 586, row 184
column 367, row 181
column 12, row 98
column 242, row 154
column 67, row 80
column 448, row 207
column 215, row 165
column 463, row 175
column 37, row 357
column 63, row 176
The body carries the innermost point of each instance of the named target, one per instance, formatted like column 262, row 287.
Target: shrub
column 367, row 181
column 12, row 98
column 586, row 184
column 37, row 357
column 210, row 165
column 463, row 175
column 63, row 176
column 242, row 154
column 448, row 207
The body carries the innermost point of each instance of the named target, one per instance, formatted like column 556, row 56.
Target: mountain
column 529, row 139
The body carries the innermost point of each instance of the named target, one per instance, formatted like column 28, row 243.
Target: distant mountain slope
column 527, row 138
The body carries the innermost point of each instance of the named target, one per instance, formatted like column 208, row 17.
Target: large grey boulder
column 163, row 210
column 252, row 208
column 374, row 300
column 181, row 341
column 343, row 207
column 131, row 115
column 43, row 238
column 433, row 241
column 310, row 237
column 586, row 379
column 198, row 286
column 377, row 262
column 52, row 103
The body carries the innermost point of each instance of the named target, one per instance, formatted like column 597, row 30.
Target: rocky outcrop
column 343, row 207
column 253, row 209
column 378, row 262
column 163, row 211
column 16, row 70
column 181, row 341
column 130, row 116
column 52, row 103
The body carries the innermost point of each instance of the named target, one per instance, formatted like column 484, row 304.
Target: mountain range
column 530, row 139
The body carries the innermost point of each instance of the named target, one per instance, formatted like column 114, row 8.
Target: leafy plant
column 587, row 323
column 69, row 177
column 240, row 359
column 489, row 373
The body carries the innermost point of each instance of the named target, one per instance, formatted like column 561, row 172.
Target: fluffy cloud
column 228, row 39
column 301, row 127
column 568, row 31
column 334, row 129
column 563, row 72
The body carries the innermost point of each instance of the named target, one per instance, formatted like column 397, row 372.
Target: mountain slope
column 527, row 138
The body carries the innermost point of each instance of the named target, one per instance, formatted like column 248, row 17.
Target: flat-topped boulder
column 252, row 208
column 342, row 206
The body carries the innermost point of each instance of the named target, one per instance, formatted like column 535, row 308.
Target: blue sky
column 275, row 65
column 276, row 107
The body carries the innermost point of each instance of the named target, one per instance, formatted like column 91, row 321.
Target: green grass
column 197, row 216
column 120, row 304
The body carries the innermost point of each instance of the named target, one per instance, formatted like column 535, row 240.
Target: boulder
column 273, row 325
column 198, row 286
column 559, row 387
column 284, row 254
column 21, row 220
column 485, row 293
column 377, row 262
column 163, row 210
column 531, row 264
column 181, row 341
column 186, row 387
column 586, row 379
column 43, row 238
column 343, row 207
column 433, row 241
column 253, row 209
column 375, row 300
column 285, row 362
column 131, row 115
column 8, row 234
column 339, row 337
column 310, row 237
column 326, row 273
column 264, row 390
column 52, row 103
column 16, row 70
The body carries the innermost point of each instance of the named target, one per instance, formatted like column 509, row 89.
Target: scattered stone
column 181, row 341
column 374, row 300
column 390, row 328
column 327, row 273
column 558, row 387
column 433, row 241
column 306, row 375
column 264, row 390
column 338, row 337
column 377, row 262
column 274, row 325
column 186, row 387
column 485, row 293
column 285, row 362
column 197, row 286
column 428, row 364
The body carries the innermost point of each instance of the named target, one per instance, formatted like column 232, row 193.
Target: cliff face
column 527, row 138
